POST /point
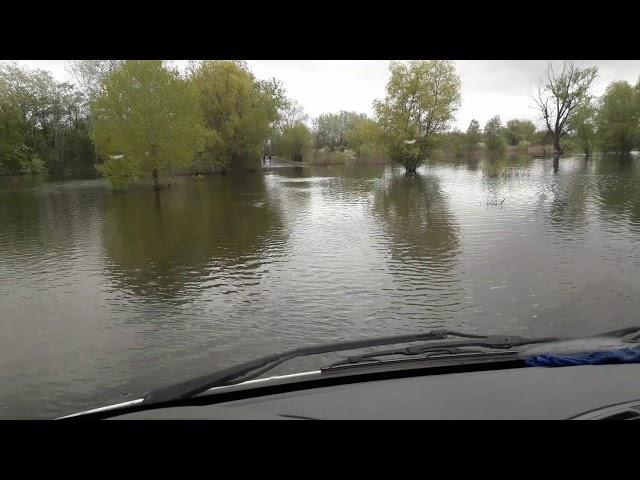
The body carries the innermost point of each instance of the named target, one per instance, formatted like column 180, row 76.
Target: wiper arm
column 254, row 368
column 198, row 385
column 452, row 348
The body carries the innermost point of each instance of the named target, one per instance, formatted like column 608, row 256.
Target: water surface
column 104, row 295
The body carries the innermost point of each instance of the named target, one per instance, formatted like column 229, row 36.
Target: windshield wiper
column 255, row 368
column 259, row 366
column 447, row 348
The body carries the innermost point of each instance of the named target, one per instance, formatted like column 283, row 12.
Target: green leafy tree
column 290, row 116
column 453, row 142
column 421, row 100
column 239, row 112
column 517, row 131
column 12, row 134
column 473, row 137
column 584, row 126
column 330, row 130
column 618, row 119
column 295, row 142
column 364, row 137
column 44, row 124
column 493, row 137
column 147, row 122
column 279, row 103
column 558, row 96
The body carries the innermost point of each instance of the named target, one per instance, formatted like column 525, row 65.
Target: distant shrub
column 324, row 157
column 22, row 159
column 523, row 147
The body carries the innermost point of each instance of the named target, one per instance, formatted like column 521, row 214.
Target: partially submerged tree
column 493, row 137
column 239, row 112
column 422, row 98
column 583, row 124
column 147, row 122
column 618, row 119
column 559, row 95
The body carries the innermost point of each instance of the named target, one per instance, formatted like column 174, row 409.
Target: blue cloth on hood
column 625, row 355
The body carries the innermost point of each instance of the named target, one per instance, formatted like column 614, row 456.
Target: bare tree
column 559, row 95
column 292, row 114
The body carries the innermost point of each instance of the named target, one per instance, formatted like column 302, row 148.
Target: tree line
column 143, row 120
column 43, row 123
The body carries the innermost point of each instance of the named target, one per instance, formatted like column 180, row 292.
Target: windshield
column 160, row 220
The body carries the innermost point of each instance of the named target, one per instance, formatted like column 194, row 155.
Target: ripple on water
column 103, row 295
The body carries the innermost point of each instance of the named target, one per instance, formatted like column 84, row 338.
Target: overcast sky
column 489, row 87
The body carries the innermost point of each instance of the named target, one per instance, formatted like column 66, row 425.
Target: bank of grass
column 346, row 157
column 325, row 157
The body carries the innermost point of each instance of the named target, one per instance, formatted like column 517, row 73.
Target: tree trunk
column 410, row 170
column 557, row 150
column 156, row 180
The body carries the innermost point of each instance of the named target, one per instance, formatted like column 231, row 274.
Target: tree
column 364, row 137
column 452, row 142
column 239, row 112
column 274, row 89
column 473, row 136
column 330, row 130
column 89, row 74
column 421, row 100
column 43, row 122
column 517, row 131
column 295, row 142
column 559, row 95
column 292, row 114
column 12, row 132
column 493, row 138
column 583, row 124
column 618, row 119
column 147, row 122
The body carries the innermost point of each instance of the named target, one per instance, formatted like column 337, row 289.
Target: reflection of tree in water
column 423, row 240
column 159, row 244
column 46, row 219
column 350, row 171
column 337, row 184
column 610, row 181
column 570, row 193
column 415, row 213
column 470, row 162
column 617, row 184
column 506, row 166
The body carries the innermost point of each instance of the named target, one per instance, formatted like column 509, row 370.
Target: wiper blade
column 435, row 357
column 255, row 368
column 259, row 366
column 449, row 348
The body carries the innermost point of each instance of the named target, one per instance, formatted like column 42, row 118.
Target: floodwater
column 104, row 296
